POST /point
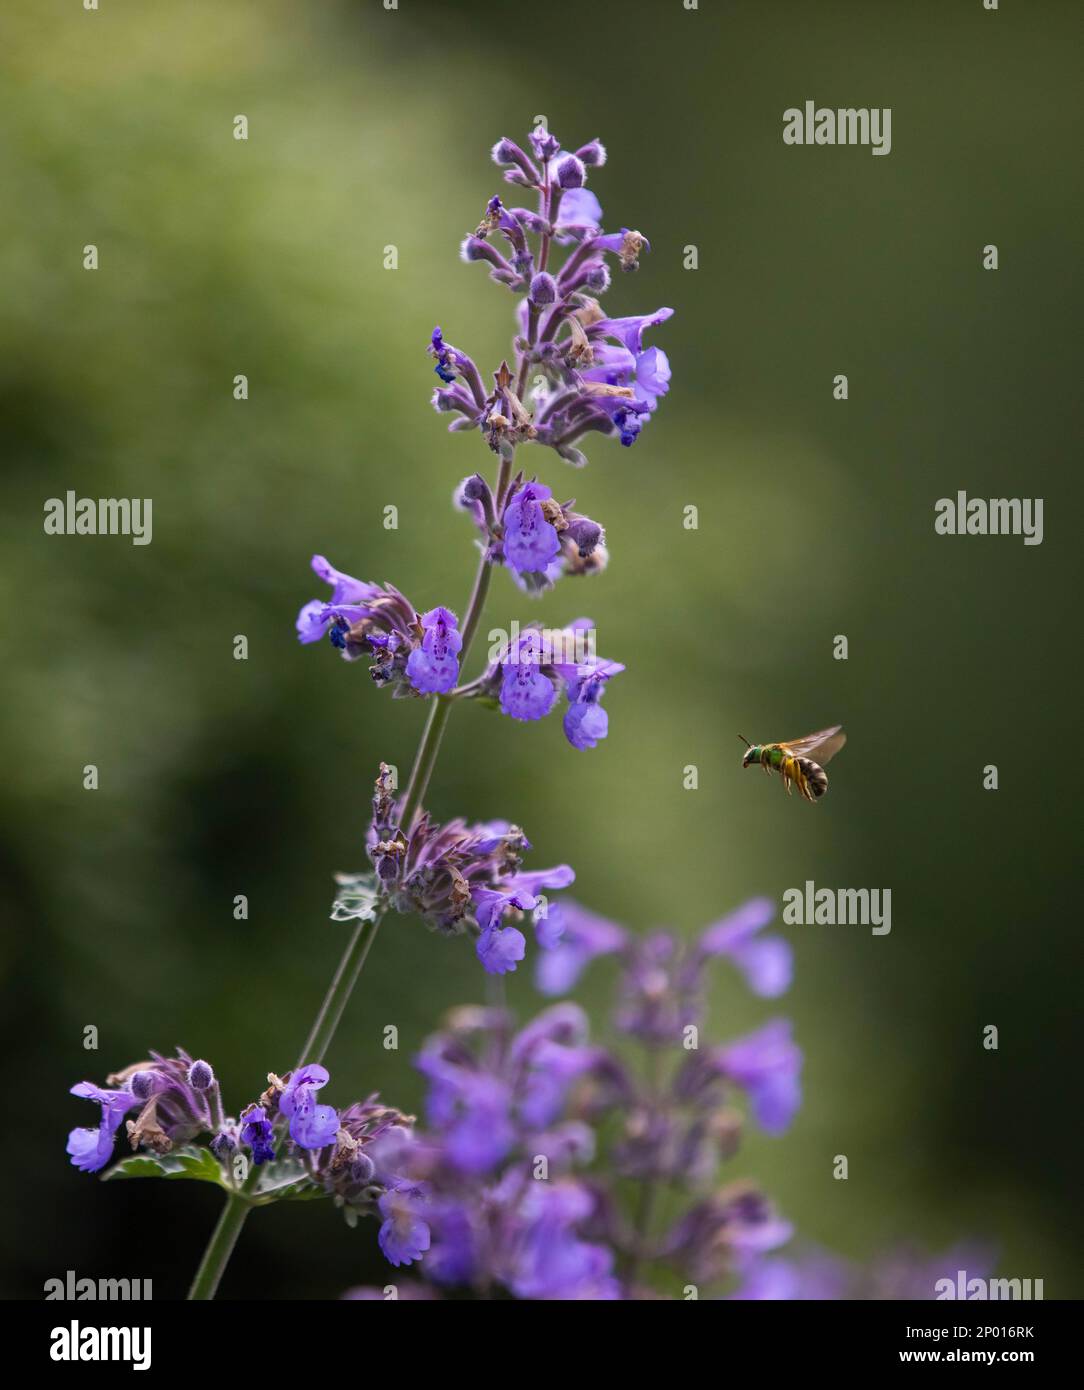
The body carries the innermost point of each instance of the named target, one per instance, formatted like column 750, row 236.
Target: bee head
column 750, row 750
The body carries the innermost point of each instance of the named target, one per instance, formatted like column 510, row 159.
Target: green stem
column 219, row 1248
column 425, row 759
column 339, row 991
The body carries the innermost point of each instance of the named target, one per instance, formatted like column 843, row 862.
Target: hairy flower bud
column 200, row 1076
column 571, row 173
column 543, row 289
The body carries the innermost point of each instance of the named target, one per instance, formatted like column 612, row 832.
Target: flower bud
column 200, row 1076
column 593, row 153
column 585, row 533
column 571, row 173
column 143, row 1085
column 543, row 289
column 223, row 1144
column 597, row 278
column 362, row 1168
column 544, row 144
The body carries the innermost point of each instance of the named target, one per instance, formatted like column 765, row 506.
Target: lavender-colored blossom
column 257, row 1133
column 584, row 936
column 589, row 388
column 91, row 1149
column 500, row 949
column 404, row 1235
column 766, row 1064
column 493, row 1100
column 433, row 667
column 312, row 1125
column 530, row 540
column 413, row 653
column 765, row 962
column 527, row 693
column 586, row 722
column 458, row 877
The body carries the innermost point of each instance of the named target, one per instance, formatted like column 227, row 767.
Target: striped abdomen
column 813, row 782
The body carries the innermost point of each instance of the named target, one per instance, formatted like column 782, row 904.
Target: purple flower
column 312, row 1125
column 526, row 693
column 433, row 667
column 500, row 949
column 91, row 1149
column 411, row 653
column 257, row 1133
column 591, row 384
column 766, row 1065
column 530, row 541
column 766, row 963
column 472, row 1110
column 458, row 877
column 584, row 937
column 586, row 722
column 551, row 1261
column 404, row 1236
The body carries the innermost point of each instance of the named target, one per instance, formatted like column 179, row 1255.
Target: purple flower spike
column 312, row 1126
column 433, row 668
column 530, row 541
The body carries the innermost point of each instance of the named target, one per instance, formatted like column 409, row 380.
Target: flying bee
column 792, row 761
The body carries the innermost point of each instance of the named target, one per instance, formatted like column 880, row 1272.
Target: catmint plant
column 571, row 371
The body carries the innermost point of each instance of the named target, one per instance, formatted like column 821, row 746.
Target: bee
column 792, row 761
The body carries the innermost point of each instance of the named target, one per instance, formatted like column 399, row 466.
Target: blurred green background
column 220, row 777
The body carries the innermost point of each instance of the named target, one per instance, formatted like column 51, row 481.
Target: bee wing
column 826, row 743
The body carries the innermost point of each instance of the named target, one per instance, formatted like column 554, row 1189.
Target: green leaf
column 285, row 1180
column 358, row 898
column 196, row 1164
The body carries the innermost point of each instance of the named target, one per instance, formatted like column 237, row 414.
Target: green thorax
column 772, row 754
